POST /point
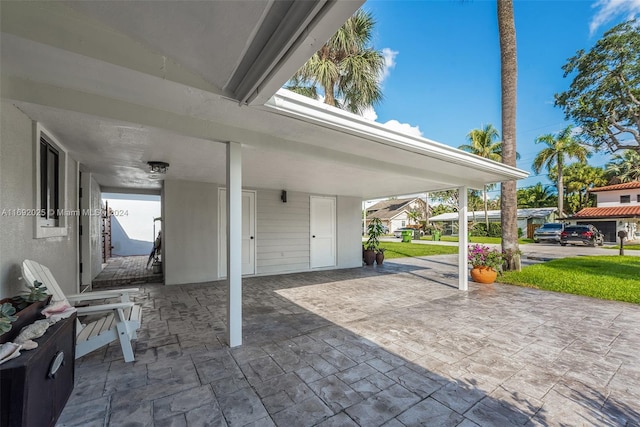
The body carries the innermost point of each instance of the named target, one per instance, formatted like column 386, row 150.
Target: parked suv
column 549, row 232
column 586, row 234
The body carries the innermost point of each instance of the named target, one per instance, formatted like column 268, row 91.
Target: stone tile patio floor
column 395, row 345
column 125, row 271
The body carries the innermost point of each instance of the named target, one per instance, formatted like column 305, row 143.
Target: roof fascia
column 306, row 27
column 306, row 109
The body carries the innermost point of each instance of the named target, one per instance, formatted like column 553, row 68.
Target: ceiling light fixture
column 158, row 167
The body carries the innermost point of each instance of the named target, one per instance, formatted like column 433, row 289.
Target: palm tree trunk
column 509, row 80
column 560, row 187
column 329, row 96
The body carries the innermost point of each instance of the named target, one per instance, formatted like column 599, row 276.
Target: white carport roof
column 123, row 83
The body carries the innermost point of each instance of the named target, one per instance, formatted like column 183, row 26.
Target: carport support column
column 234, row 244
column 463, row 240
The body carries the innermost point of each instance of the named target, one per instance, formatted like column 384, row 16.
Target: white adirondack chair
column 120, row 322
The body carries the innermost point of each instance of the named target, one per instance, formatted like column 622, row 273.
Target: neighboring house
column 617, row 209
column 528, row 219
column 394, row 213
column 93, row 91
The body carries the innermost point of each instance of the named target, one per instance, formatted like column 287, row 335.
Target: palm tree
column 509, row 80
column 560, row 148
column 579, row 178
column 483, row 142
column 414, row 216
column 537, row 196
column 624, row 167
column 346, row 67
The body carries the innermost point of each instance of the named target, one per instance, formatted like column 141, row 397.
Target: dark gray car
column 549, row 232
column 585, row 234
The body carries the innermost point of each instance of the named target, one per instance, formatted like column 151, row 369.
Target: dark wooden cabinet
column 30, row 393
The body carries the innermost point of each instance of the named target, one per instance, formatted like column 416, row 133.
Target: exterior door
column 248, row 232
column 323, row 232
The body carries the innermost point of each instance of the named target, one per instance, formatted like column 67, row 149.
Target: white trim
column 463, row 240
column 234, row 244
column 309, row 110
column 40, row 229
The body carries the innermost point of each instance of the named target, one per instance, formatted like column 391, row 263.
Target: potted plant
column 26, row 307
column 374, row 230
column 486, row 263
column 380, row 256
column 7, row 311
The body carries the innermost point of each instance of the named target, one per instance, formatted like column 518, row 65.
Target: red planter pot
column 483, row 274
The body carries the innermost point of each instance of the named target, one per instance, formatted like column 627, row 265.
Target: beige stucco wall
column 17, row 191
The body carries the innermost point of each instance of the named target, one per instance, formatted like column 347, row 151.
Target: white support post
column 463, row 240
column 234, row 244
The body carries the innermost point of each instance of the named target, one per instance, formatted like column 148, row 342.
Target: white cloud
column 403, row 127
column 370, row 114
column 610, row 9
column 389, row 62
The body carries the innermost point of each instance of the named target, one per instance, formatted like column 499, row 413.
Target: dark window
column 625, row 199
column 49, row 182
column 638, row 198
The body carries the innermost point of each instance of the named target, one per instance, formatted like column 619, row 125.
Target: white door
column 248, row 232
column 323, row 231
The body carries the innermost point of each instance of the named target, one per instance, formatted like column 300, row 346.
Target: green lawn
column 633, row 247
column 607, row 277
column 399, row 249
column 477, row 239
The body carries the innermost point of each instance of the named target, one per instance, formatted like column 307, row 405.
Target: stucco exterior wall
column 17, row 239
column 91, row 247
column 190, row 221
column 612, row 198
column 189, row 232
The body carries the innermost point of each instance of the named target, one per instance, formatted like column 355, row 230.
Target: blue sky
column 443, row 76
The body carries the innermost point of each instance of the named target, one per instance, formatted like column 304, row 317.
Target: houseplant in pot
column 26, row 310
column 486, row 263
column 374, row 230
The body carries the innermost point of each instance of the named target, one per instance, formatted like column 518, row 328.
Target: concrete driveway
column 540, row 251
column 392, row 345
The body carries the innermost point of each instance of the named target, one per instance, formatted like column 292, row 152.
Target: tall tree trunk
column 560, row 187
column 509, row 80
column 329, row 96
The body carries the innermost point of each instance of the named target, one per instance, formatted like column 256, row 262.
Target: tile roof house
column 394, row 213
column 618, row 209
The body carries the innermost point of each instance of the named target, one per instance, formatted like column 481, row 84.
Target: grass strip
column 401, row 250
column 614, row 278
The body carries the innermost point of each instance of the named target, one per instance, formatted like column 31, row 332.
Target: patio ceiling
column 114, row 84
